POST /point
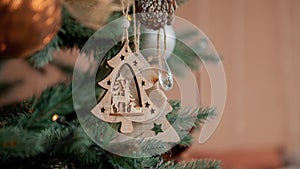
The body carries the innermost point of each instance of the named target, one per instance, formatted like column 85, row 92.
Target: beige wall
column 259, row 41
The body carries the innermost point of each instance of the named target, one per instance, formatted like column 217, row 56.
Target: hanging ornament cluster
column 155, row 14
column 27, row 26
column 133, row 96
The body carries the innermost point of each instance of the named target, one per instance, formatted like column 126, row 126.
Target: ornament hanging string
column 160, row 57
column 125, row 14
column 158, row 44
column 138, row 35
column 164, row 73
column 136, row 27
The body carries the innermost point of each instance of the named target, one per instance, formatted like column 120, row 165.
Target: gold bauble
column 27, row 26
column 93, row 13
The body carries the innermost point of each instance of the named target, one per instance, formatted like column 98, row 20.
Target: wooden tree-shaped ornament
column 125, row 99
column 128, row 87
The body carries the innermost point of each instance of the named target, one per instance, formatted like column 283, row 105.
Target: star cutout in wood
column 102, row 110
column 143, row 83
column 122, row 57
column 135, row 63
column 147, row 104
column 108, row 82
column 152, row 111
column 157, row 128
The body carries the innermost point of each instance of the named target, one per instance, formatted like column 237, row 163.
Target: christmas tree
column 45, row 132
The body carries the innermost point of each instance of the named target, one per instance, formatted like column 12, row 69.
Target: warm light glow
column 2, row 47
column 129, row 17
column 15, row 4
column 5, row 2
column 42, row 17
column 55, row 117
column 36, row 17
column 47, row 39
column 49, row 21
column 40, row 5
column 50, row 10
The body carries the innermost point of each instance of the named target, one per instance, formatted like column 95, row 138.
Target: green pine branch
column 32, row 138
column 54, row 100
column 17, row 142
column 71, row 34
column 43, row 57
column 198, row 164
column 186, row 119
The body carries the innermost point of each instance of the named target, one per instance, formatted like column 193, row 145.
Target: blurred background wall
column 259, row 41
